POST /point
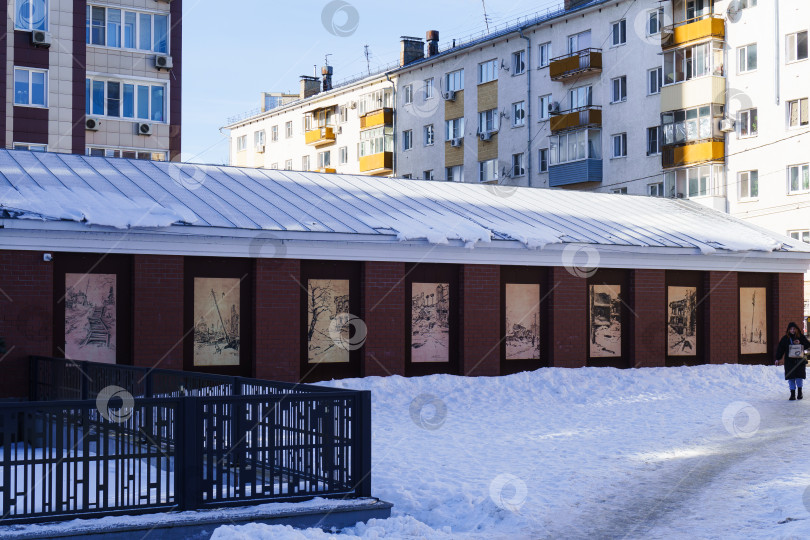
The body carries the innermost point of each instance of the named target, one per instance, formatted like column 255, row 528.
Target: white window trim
column 612, row 96
column 788, row 62
column 748, row 198
column 47, row 87
column 612, row 25
column 145, row 11
column 127, row 149
column 522, row 164
column 136, row 80
column 750, row 135
column 539, row 56
column 16, row 146
column 540, row 169
column 515, row 73
column 407, row 94
column 787, row 112
column 660, row 14
column 13, row 15
column 407, row 136
column 746, row 71
column 514, row 116
column 660, row 81
column 495, row 70
column 800, row 191
column 613, row 146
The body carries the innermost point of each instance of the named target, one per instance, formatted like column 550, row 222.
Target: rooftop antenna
column 368, row 63
column 486, row 18
column 326, row 59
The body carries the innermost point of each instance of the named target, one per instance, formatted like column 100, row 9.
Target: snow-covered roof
column 189, row 199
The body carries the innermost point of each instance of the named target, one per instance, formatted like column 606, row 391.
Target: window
column 517, row 165
column 488, row 121
column 488, row 170
column 518, row 114
column 542, row 158
column 31, row 147
column 31, row 15
column 748, row 123
column 575, row 146
column 343, row 114
column 545, row 104
column 654, row 80
column 376, row 141
column 374, row 101
column 30, row 87
column 747, row 58
column 692, row 62
column 697, row 8
column 581, row 97
column 407, row 139
column 324, row 159
column 127, row 29
column 241, row 143
column 288, row 165
column 288, row 130
column 656, row 189
column 696, row 182
column 455, row 174
column 688, row 125
column 428, row 88
column 797, row 112
column 798, row 178
column 136, row 100
column 274, row 133
column 653, row 142
column 796, row 47
column 579, row 42
column 519, row 63
column 803, row 236
column 305, row 163
column 487, row 71
column 619, row 191
column 545, row 55
column 619, row 89
column 408, row 93
column 343, row 155
column 749, row 184
column 454, row 129
column 407, row 176
column 429, row 135
column 274, row 166
column 145, row 155
column 655, row 21
column 307, row 125
column 427, row 175
column 258, row 138
column 619, row 33
column 620, row 145
column 454, row 80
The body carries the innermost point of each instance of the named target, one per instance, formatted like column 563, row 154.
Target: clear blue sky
column 231, row 55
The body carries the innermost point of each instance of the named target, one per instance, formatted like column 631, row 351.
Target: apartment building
column 98, row 78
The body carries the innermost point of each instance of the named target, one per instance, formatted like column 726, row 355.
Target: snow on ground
column 696, row 452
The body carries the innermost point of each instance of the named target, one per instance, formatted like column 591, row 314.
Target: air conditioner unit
column 339, row 130
column 144, row 129
column 450, row 95
column 40, row 38
column 353, row 105
column 456, row 142
column 163, row 61
column 726, row 125
column 92, row 124
column 553, row 107
column 486, row 135
column 260, row 149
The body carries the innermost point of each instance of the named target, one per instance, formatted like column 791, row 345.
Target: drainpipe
column 777, row 48
column 394, row 114
column 529, row 69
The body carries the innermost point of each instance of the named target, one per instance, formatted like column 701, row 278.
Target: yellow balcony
column 590, row 116
column 320, row 136
column 693, row 30
column 381, row 117
column 327, row 170
column 382, row 163
column 584, row 61
column 700, row 152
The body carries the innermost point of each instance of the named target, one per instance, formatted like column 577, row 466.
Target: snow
column 694, row 452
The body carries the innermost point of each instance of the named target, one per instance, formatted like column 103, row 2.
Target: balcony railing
column 690, row 30
column 588, row 116
column 706, row 151
column 586, row 60
column 320, row 136
column 380, row 117
column 381, row 163
column 575, row 172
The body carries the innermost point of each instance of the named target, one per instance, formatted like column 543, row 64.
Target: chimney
column 309, row 86
column 432, row 43
column 326, row 71
column 413, row 49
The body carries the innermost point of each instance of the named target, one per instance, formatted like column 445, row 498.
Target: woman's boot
column 792, row 395
column 799, row 394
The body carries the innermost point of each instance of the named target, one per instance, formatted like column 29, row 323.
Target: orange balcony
column 689, row 154
column 696, row 29
column 584, row 61
column 380, row 117
column 327, row 170
column 590, row 116
column 320, row 136
column 375, row 164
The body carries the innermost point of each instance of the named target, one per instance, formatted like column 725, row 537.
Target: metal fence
column 182, row 441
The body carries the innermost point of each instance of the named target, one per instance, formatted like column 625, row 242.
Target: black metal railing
column 174, row 440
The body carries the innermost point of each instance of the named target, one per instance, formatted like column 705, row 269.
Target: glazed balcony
column 689, row 154
column 580, row 62
column 377, row 164
column 582, row 117
column 704, row 27
column 380, row 117
column 575, row 172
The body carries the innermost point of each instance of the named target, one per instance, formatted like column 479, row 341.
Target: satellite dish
column 734, row 11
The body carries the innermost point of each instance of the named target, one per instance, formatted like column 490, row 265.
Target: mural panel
column 753, row 320
column 327, row 301
column 605, row 321
column 682, row 321
column 522, row 321
column 430, row 326
column 216, row 321
column 90, row 318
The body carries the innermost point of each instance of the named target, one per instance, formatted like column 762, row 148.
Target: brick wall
column 721, row 317
column 157, row 306
column 569, row 311
column 649, row 303
column 384, row 316
column 26, row 316
column 787, row 303
column 277, row 346
column 480, row 292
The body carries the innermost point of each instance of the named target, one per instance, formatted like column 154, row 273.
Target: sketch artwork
column 753, row 325
column 522, row 321
column 327, row 300
column 430, row 325
column 605, row 321
column 216, row 321
column 90, row 318
column 682, row 321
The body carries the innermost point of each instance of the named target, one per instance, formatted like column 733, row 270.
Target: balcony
column 327, row 170
column 582, row 117
column 690, row 154
column 380, row 117
column 706, row 26
column 377, row 164
column 694, row 92
column 580, row 62
column 320, row 136
column 575, row 172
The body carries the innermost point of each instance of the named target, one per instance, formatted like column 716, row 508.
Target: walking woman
column 792, row 347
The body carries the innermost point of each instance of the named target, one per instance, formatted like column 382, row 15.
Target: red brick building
column 302, row 276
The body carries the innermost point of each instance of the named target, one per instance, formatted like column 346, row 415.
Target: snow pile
column 708, row 451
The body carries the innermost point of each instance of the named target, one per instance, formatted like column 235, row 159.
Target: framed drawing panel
column 754, row 308
column 609, row 323
column 684, row 324
column 524, row 319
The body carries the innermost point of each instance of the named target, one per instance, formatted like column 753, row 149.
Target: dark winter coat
column 795, row 368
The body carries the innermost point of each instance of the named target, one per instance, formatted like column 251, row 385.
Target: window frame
column 457, row 127
column 804, row 186
column 407, row 94
column 27, row 147
column 518, row 106
column 30, row 71
column 621, row 26
column 750, row 122
column 622, row 97
column 343, row 155
column 487, row 68
column 622, row 137
column 31, row 27
column 544, row 102
column 407, row 140
column 457, row 77
column 489, row 116
column 795, row 49
column 288, row 129
column 542, row 160
column 137, row 35
column 657, row 131
column 137, row 85
column 800, row 235
column 659, row 72
column 518, row 168
column 799, row 102
column 658, row 14
column 485, row 166
column 429, row 88
column 428, row 135
column 541, row 57
column 753, row 194
column 241, row 143
column 743, row 55
column 518, row 60
column 659, row 189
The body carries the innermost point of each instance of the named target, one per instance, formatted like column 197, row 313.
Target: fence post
column 189, row 468
column 33, row 379
column 148, row 391
column 361, row 468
